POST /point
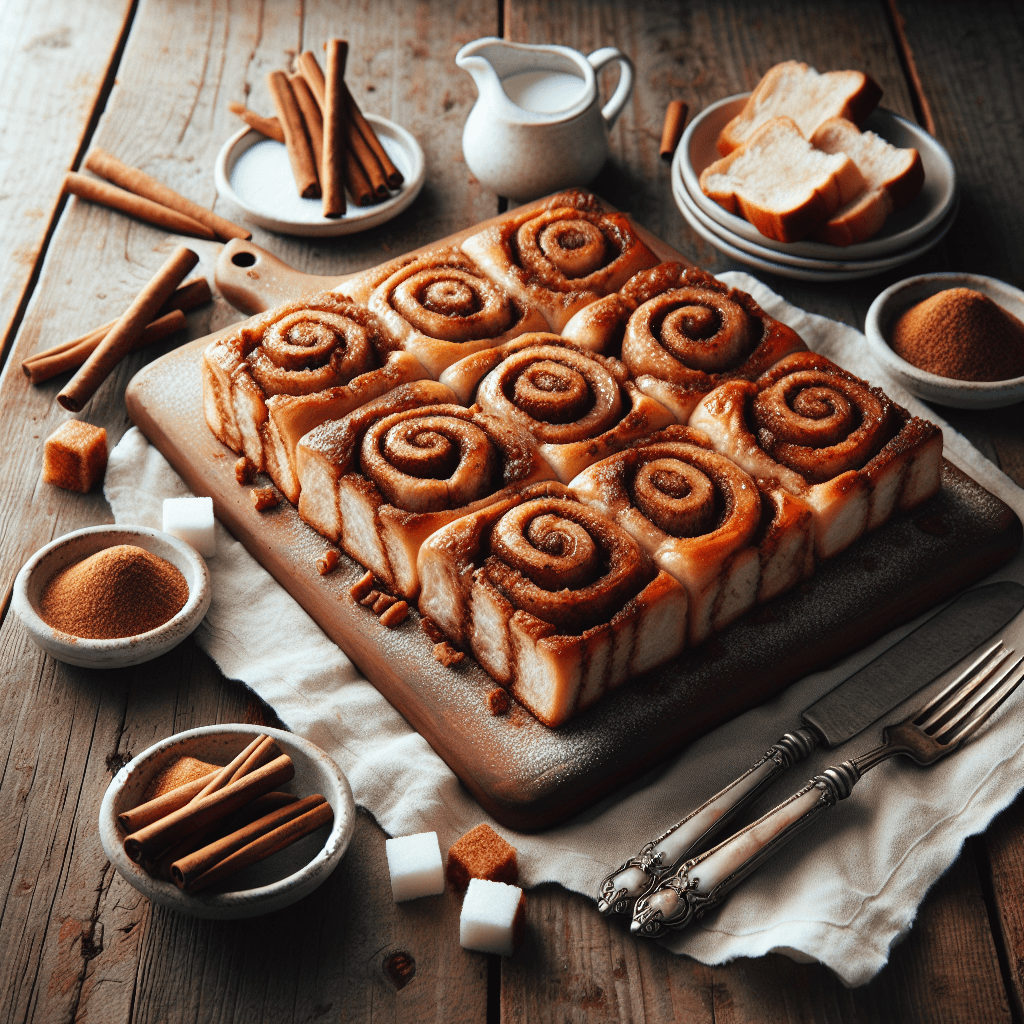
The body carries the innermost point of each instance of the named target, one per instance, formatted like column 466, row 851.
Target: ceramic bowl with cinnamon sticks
column 227, row 821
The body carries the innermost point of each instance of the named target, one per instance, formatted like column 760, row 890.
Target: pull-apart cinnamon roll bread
column 295, row 366
column 682, row 333
column 578, row 405
column 556, row 601
column 705, row 521
column 440, row 308
column 826, row 436
column 562, row 257
column 383, row 478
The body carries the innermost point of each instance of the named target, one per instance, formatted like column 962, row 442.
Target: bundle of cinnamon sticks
column 331, row 145
column 201, row 832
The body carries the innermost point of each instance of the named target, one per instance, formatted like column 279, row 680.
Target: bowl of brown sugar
column 952, row 338
column 112, row 596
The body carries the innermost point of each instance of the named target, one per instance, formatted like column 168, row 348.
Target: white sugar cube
column 191, row 520
column 491, row 916
column 415, row 866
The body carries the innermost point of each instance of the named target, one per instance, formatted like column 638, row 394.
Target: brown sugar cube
column 448, row 655
column 245, row 470
column 395, row 615
column 363, row 587
column 263, row 498
column 481, row 853
column 327, row 562
column 497, row 701
column 75, row 456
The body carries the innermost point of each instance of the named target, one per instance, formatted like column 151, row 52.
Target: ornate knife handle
column 702, row 883
column 623, row 886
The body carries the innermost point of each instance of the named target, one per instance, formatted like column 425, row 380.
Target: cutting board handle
column 253, row 280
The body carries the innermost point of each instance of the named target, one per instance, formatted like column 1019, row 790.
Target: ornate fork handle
column 701, row 883
column 660, row 857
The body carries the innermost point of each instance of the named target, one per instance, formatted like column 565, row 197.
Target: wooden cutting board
column 526, row 775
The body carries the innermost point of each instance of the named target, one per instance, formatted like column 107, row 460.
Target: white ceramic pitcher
column 536, row 126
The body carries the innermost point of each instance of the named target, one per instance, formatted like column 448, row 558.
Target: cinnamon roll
column 579, row 406
column 702, row 519
column 440, row 308
column 383, row 478
column 682, row 333
column 844, row 447
column 556, row 601
column 561, row 256
column 290, row 368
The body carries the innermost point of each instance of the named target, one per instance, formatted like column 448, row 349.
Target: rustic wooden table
column 149, row 80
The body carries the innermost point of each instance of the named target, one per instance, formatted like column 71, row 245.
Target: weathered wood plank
column 54, row 63
column 75, row 940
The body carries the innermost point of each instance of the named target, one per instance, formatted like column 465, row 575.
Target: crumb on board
column 497, row 701
column 245, row 470
column 370, row 599
column 362, row 588
column 431, row 628
column 383, row 603
column 263, row 498
column 395, row 614
column 327, row 562
column 447, row 655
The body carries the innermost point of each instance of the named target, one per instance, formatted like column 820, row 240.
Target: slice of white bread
column 783, row 185
column 894, row 178
column 792, row 89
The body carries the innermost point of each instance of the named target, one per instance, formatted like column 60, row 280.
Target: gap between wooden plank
column 102, row 95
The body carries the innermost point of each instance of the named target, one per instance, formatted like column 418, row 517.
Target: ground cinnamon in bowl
column 118, row 592
column 961, row 334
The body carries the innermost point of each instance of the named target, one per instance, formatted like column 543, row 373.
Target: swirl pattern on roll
column 821, row 422
column 565, row 563
column 426, row 460
column 559, row 393
column 310, row 345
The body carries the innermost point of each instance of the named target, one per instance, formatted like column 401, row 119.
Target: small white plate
column 781, row 260
column 828, row 271
column 273, row 883
column 253, row 172
column 903, row 227
column 961, row 394
column 118, row 653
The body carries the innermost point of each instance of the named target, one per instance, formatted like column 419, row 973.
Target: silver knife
column 844, row 711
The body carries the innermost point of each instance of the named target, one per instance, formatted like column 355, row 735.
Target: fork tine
column 961, row 687
column 972, row 699
column 1009, row 683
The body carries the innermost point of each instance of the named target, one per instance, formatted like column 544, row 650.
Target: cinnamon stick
column 120, row 199
column 334, row 163
column 311, row 116
column 144, row 842
column 309, row 68
column 43, row 365
column 126, row 333
column 269, row 843
column 672, row 130
column 296, row 141
column 227, row 774
column 392, row 174
column 160, row 806
column 100, row 162
column 187, row 869
column 269, row 126
column 266, row 750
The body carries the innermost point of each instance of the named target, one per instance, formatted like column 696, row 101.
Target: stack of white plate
column 906, row 234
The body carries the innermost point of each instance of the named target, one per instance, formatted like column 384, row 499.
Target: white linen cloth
column 842, row 893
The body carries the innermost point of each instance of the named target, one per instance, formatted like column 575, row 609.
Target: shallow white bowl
column 962, row 394
column 268, row 885
column 902, row 229
column 133, row 650
column 253, row 172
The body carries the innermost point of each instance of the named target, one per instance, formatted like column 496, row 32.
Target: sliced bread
column 783, row 185
column 893, row 177
column 793, row 89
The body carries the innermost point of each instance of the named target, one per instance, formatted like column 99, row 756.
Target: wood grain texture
column 54, row 64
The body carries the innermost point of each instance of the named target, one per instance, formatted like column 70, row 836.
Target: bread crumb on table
column 327, row 562
column 370, row 599
column 431, row 628
column 263, row 498
column 395, row 615
column 447, row 655
column 362, row 588
column 497, row 701
column 245, row 470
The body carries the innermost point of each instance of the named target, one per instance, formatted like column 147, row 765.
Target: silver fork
column 932, row 732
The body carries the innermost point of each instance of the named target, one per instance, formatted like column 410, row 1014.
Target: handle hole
column 243, row 259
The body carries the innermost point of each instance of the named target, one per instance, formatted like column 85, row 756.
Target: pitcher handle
column 599, row 60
